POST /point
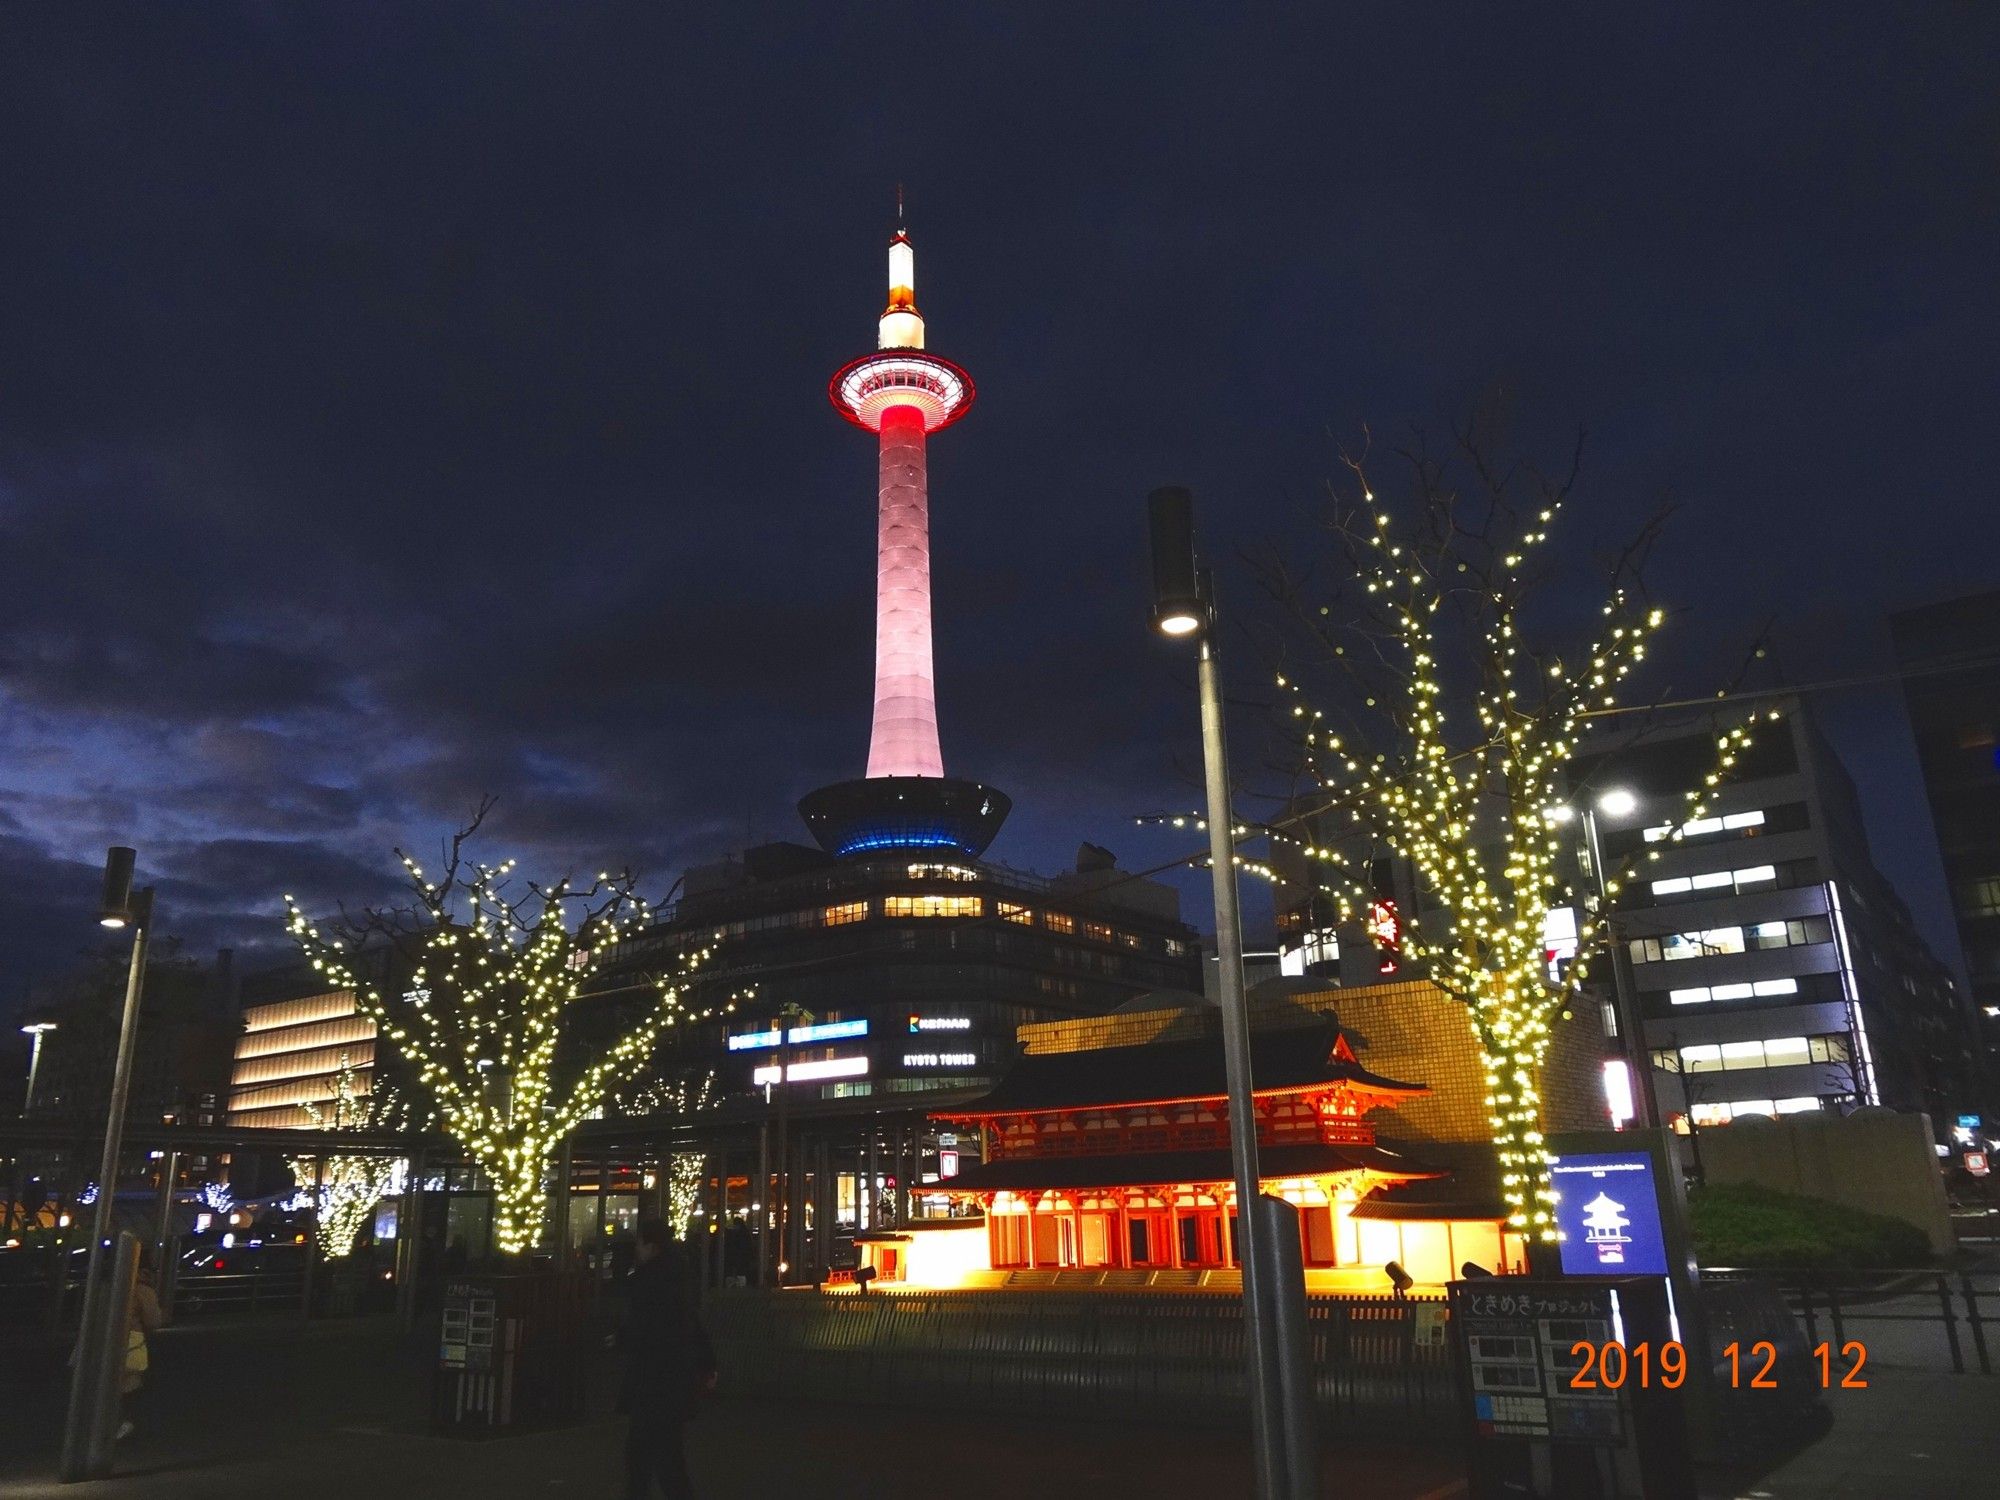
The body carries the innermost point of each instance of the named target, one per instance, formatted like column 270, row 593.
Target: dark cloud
column 400, row 405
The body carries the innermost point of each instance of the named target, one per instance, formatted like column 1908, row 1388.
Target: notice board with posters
column 1540, row 1419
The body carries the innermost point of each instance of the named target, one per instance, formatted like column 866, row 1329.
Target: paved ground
column 1911, row 1435
column 339, row 1413
column 335, row 1411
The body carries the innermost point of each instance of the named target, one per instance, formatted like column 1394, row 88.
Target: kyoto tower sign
column 903, row 394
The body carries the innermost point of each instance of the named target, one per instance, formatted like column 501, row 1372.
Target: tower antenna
column 899, row 207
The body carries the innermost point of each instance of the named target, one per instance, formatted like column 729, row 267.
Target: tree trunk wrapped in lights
column 1450, row 743
column 492, row 976
column 351, row 1186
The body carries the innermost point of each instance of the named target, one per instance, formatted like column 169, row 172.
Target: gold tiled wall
column 1410, row 1031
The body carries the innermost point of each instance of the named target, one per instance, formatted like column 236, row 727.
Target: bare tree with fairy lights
column 494, row 968
column 1448, row 739
column 686, row 1170
column 350, row 1186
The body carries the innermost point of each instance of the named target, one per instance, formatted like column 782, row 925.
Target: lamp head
column 114, row 907
column 38, row 1028
column 1618, row 802
column 1179, row 605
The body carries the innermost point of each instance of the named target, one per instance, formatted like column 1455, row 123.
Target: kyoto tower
column 903, row 394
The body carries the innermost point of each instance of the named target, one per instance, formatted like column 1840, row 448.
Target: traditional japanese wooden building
column 1110, row 1165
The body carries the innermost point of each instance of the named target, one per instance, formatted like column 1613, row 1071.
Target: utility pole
column 789, row 1014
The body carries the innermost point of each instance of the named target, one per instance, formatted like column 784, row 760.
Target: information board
column 1608, row 1208
column 470, row 1320
column 1518, row 1351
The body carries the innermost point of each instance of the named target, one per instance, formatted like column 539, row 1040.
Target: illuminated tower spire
column 903, row 394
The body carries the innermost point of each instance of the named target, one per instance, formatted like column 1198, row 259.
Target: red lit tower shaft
column 904, row 739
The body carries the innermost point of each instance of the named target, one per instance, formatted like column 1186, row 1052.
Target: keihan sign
column 1608, row 1208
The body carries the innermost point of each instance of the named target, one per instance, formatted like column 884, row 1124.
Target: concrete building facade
column 1950, row 654
column 1775, row 969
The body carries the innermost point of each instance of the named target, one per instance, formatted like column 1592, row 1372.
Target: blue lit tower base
column 905, row 812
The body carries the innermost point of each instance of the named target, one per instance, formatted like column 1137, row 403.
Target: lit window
column 1699, row 827
column 1829, row 1049
column 1980, row 898
column 1744, row 1107
column 933, row 906
column 1012, row 913
column 848, row 911
column 1786, row 1052
column 1097, row 931
column 1679, row 886
column 1756, row 875
column 1742, row 1055
column 942, row 872
column 1695, row 996
column 1798, row 1106
column 1731, row 992
column 1710, row 881
column 1707, row 1059
column 1710, row 1114
column 1701, row 944
column 1775, row 987
column 1057, row 922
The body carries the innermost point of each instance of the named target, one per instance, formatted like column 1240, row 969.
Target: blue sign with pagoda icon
column 1608, row 1208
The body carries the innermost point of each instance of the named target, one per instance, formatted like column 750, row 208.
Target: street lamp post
column 1624, row 992
column 83, row 1454
column 1184, row 605
column 34, row 1031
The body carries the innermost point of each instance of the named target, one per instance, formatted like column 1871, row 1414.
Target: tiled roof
column 1283, row 1060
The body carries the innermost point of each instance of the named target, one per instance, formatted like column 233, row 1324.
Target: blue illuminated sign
column 1968, row 1122
column 825, row 1031
column 1608, row 1208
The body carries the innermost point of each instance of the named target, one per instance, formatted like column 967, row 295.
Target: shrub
column 1740, row 1224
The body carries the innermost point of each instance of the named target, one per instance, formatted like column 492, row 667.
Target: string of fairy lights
column 349, row 1187
column 483, row 1019
column 1478, row 822
column 686, row 1170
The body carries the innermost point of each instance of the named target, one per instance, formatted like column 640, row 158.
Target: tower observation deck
column 903, row 394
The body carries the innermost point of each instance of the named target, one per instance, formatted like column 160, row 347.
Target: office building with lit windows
column 904, row 974
column 290, row 1056
column 1950, row 656
column 1775, row 970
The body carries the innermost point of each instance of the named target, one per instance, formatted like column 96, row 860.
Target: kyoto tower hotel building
column 915, row 956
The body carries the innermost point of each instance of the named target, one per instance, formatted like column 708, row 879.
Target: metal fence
column 31, row 1294
column 1917, row 1317
column 1381, row 1366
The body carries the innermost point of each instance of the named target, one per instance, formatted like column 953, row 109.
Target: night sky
column 404, row 402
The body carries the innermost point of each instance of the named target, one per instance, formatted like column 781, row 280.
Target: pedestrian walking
column 669, row 1366
column 142, row 1317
